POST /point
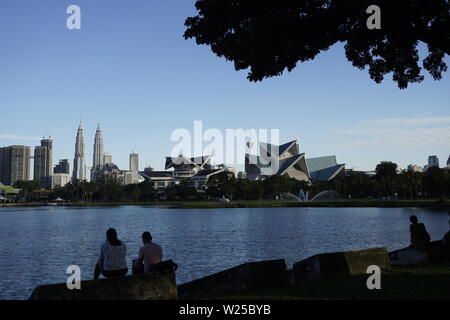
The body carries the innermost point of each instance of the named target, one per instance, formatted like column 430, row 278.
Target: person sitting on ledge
column 112, row 262
column 419, row 235
column 149, row 255
column 446, row 240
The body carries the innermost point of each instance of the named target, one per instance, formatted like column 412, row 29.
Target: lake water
column 38, row 244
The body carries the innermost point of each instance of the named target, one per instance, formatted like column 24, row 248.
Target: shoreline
column 363, row 203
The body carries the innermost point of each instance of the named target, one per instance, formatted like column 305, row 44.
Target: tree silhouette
column 270, row 37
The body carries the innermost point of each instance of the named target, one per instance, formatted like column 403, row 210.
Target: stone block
column 254, row 275
column 340, row 264
column 149, row 286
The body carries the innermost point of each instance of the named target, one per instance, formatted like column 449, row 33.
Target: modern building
column 62, row 167
column 132, row 177
column 324, row 168
column 8, row 194
column 107, row 158
column 415, row 168
column 14, row 164
column 59, row 180
column 448, row 163
column 43, row 163
column 124, row 177
column 134, row 162
column 286, row 160
column 79, row 166
column 433, row 161
column 198, row 170
column 98, row 160
column 242, row 175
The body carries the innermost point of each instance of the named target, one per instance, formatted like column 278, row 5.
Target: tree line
column 387, row 183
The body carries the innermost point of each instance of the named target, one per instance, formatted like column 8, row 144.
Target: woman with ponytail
column 112, row 262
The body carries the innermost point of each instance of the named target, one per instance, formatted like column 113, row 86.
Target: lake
column 38, row 244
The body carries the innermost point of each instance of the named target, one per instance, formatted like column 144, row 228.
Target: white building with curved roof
column 286, row 160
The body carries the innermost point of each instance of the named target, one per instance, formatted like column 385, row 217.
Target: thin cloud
column 398, row 132
column 17, row 137
column 408, row 122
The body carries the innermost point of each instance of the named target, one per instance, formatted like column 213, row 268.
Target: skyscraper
column 43, row 164
column 107, row 158
column 448, row 162
column 134, row 162
column 14, row 164
column 98, row 160
column 62, row 167
column 79, row 169
column 433, row 161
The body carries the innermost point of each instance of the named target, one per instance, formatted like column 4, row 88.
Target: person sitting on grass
column 419, row 235
column 112, row 262
column 149, row 255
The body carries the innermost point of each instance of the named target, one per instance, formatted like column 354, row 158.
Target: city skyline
column 50, row 163
column 132, row 70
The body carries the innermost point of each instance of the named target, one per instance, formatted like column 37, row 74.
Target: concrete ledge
column 435, row 252
column 150, row 286
column 340, row 264
column 254, row 275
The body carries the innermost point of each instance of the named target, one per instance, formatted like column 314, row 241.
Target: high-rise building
column 62, row 167
column 79, row 167
column 448, row 162
column 14, row 164
column 134, row 162
column 98, row 160
column 107, row 158
column 59, row 180
column 433, row 161
column 43, row 164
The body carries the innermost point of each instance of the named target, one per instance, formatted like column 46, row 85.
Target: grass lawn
column 401, row 283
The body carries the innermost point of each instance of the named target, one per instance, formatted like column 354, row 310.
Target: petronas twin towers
column 79, row 166
column 98, row 161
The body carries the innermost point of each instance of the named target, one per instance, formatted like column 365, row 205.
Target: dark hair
column 413, row 219
column 111, row 235
column 147, row 236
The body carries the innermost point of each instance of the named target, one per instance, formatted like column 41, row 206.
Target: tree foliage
column 269, row 37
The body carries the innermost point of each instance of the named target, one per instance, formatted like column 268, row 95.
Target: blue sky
column 130, row 68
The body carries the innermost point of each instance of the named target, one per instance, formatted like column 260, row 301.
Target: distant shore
column 347, row 203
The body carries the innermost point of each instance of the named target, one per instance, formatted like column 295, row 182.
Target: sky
column 130, row 69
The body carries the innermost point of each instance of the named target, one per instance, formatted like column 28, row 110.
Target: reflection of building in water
column 286, row 160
